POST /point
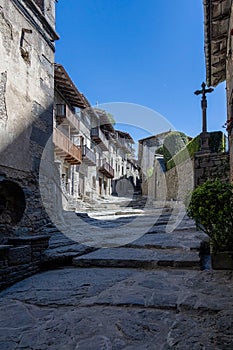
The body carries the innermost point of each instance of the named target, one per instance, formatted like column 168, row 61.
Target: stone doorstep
column 138, row 258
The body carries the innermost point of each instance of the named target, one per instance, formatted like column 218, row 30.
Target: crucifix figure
column 203, row 91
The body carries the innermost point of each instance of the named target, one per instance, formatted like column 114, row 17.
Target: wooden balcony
column 99, row 138
column 126, row 146
column 65, row 115
column 65, row 148
column 106, row 169
column 89, row 157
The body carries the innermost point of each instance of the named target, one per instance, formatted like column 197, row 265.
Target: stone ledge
column 28, row 239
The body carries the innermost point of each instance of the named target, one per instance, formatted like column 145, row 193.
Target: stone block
column 206, row 164
column 36, row 256
column 199, row 172
column 4, row 248
column 38, row 240
column 20, row 255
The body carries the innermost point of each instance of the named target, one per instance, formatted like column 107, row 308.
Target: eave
column 105, row 121
column 216, row 27
column 67, row 88
column 125, row 135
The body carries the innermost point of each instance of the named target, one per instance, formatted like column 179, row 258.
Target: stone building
column 188, row 168
column 147, row 148
column 81, row 142
column 101, row 136
column 71, row 136
column 26, row 108
column 113, row 150
column 92, row 157
column 126, row 181
column 218, row 31
column 27, row 37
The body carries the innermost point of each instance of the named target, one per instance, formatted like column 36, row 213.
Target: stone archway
column 12, row 202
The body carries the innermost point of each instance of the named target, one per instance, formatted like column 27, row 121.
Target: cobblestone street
column 150, row 293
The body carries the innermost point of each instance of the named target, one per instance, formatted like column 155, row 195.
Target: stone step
column 185, row 240
column 62, row 250
column 180, row 240
column 139, row 258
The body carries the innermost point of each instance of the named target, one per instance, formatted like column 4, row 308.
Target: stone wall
column 174, row 184
column 229, row 89
column 146, row 159
column 26, row 104
column 21, row 258
column 211, row 166
column 178, row 182
column 231, row 155
column 33, row 216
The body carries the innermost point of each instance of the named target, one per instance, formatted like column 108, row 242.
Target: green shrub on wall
column 173, row 143
column 191, row 148
column 217, row 143
column 160, row 150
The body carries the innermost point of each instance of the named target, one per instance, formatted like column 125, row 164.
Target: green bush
column 217, row 143
column 211, row 206
column 160, row 150
column 173, row 143
column 188, row 151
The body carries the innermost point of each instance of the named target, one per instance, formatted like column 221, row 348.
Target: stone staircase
column 154, row 249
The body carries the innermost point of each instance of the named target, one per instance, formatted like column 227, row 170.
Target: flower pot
column 222, row 260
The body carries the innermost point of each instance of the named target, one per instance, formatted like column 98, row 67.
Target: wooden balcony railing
column 125, row 145
column 65, row 148
column 99, row 138
column 89, row 156
column 63, row 112
column 106, row 169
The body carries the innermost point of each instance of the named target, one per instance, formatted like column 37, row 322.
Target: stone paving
column 148, row 294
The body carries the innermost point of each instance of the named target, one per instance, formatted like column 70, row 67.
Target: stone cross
column 203, row 91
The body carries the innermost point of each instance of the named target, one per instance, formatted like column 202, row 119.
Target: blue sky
column 148, row 53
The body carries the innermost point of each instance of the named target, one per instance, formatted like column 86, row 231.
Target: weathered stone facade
column 26, row 108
